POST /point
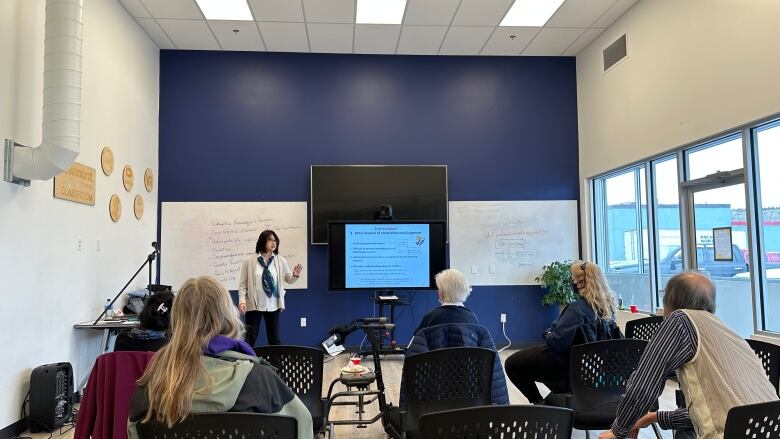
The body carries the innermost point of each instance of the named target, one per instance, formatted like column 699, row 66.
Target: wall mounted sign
column 107, row 160
column 138, row 206
column 127, row 178
column 76, row 184
column 115, row 208
column 149, row 179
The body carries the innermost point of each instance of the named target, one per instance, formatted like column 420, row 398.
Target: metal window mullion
column 687, row 226
column 638, row 217
column 755, row 229
column 600, row 214
column 652, row 233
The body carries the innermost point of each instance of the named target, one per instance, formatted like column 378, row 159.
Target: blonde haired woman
column 589, row 318
column 206, row 367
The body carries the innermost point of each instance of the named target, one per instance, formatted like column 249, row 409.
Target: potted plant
column 556, row 279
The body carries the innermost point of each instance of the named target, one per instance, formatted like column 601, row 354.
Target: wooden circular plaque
column 115, row 208
column 107, row 160
column 149, row 179
column 138, row 206
column 127, row 178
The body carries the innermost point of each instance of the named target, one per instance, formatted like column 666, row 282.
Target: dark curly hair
column 263, row 240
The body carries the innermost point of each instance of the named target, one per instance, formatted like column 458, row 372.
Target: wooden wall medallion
column 138, row 206
column 149, row 179
column 107, row 160
column 115, row 208
column 127, row 178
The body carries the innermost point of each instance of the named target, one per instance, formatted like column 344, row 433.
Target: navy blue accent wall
column 247, row 126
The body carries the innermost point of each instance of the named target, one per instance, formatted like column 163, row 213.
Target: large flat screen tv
column 378, row 255
column 353, row 193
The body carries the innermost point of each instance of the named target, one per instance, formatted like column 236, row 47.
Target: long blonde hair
column 202, row 309
column 597, row 291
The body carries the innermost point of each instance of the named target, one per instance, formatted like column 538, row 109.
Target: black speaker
column 51, row 396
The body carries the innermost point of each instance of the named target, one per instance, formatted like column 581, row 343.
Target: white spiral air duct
column 61, row 96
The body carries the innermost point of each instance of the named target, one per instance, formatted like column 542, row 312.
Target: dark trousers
column 253, row 319
column 536, row 364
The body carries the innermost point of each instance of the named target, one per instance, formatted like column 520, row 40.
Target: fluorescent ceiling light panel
column 380, row 11
column 225, row 10
column 530, row 12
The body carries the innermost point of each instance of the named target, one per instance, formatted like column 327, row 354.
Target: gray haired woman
column 453, row 289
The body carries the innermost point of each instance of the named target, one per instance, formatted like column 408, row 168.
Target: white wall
column 48, row 285
column 695, row 68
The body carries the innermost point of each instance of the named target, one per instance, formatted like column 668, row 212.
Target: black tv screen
column 396, row 255
column 353, row 193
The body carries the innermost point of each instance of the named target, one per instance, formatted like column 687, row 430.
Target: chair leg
column 656, row 430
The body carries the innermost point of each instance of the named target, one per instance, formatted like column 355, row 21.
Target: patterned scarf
column 269, row 286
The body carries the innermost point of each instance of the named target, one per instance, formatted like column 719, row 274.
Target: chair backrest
column 446, row 379
column 498, row 421
column 770, row 358
column 753, row 421
column 599, row 370
column 223, row 426
column 643, row 329
column 300, row 368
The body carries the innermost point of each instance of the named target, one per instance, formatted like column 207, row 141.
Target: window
column 767, row 140
column 624, row 236
column 668, row 245
column 657, row 218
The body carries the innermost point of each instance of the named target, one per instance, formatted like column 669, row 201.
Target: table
column 108, row 327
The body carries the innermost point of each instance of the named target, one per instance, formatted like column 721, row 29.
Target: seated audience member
column 152, row 331
column 587, row 319
column 717, row 369
column 206, row 367
column 454, row 325
column 453, row 291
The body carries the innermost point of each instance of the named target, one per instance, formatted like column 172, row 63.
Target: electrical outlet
column 503, row 318
column 79, row 244
column 492, row 269
column 474, row 269
column 97, row 245
column 303, row 322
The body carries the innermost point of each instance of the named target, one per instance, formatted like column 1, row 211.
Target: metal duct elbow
column 61, row 96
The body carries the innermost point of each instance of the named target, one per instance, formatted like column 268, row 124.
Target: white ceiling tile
column 421, row 40
column 330, row 38
column 618, row 9
column 583, row 41
column 502, row 42
column 156, row 33
column 189, row 34
column 465, row 40
column 376, row 38
column 329, row 11
column 579, row 13
column 284, row 37
column 247, row 38
column 481, row 12
column 277, row 10
column 552, row 41
column 430, row 12
column 184, row 9
column 135, row 8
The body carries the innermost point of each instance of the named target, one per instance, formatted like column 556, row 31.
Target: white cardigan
column 246, row 283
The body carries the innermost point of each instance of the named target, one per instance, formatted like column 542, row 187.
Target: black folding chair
column 301, row 368
column 599, row 372
column 507, row 421
column 223, row 426
column 753, row 421
column 443, row 379
column 644, row 328
column 770, row 358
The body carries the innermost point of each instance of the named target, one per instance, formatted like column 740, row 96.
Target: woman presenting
column 260, row 287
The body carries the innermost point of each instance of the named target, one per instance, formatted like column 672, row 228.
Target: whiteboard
column 216, row 238
column 507, row 242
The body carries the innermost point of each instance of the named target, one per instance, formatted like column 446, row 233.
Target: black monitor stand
column 387, row 298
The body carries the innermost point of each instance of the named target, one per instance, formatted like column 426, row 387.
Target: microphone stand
column 149, row 260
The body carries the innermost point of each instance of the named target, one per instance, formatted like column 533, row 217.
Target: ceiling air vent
column 615, row 52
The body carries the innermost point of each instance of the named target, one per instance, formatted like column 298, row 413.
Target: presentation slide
column 384, row 255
